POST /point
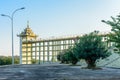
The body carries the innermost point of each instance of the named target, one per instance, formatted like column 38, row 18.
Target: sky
column 48, row 18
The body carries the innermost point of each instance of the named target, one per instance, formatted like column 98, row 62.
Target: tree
column 67, row 56
column 17, row 60
column 33, row 61
column 91, row 48
column 62, row 56
column 71, row 56
column 114, row 36
column 7, row 60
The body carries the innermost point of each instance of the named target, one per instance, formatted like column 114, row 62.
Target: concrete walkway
column 56, row 72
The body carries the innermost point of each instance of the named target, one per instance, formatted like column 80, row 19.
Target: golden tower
column 25, row 48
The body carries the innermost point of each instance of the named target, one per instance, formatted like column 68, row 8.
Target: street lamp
column 11, row 18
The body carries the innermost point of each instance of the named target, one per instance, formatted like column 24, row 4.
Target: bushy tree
column 7, row 60
column 62, row 56
column 72, row 57
column 16, row 59
column 91, row 48
column 114, row 36
column 67, row 56
column 33, row 61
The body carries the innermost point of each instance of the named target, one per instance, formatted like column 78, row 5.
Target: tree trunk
column 90, row 64
column 74, row 62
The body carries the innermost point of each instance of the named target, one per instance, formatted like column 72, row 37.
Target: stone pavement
column 56, row 72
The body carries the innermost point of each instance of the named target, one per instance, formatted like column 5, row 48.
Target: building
column 34, row 50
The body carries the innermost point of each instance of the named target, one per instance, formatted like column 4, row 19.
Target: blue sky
column 49, row 18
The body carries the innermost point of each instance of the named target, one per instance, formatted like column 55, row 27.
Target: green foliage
column 16, row 59
column 71, row 56
column 62, row 57
column 8, row 60
column 67, row 56
column 33, row 61
column 115, row 31
column 90, row 48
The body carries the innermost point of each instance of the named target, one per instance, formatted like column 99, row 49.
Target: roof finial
column 27, row 24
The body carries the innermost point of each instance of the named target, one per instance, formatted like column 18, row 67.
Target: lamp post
column 11, row 18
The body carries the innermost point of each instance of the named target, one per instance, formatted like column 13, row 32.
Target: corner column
column 20, row 50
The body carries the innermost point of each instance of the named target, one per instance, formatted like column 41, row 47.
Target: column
column 43, row 52
column 35, row 53
column 20, row 50
column 48, row 55
column 39, row 53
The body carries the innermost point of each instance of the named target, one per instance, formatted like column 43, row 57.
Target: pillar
column 20, row 50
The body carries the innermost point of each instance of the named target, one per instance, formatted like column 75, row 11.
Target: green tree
column 60, row 57
column 114, row 35
column 7, row 60
column 63, row 57
column 67, row 56
column 33, row 61
column 17, row 60
column 91, row 48
column 71, row 57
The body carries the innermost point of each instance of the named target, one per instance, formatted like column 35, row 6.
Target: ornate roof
column 27, row 32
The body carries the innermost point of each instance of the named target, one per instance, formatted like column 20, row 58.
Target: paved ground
column 56, row 72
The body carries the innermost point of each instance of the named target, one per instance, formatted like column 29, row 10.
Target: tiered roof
column 27, row 32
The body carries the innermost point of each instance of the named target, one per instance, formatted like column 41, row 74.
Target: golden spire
column 27, row 24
